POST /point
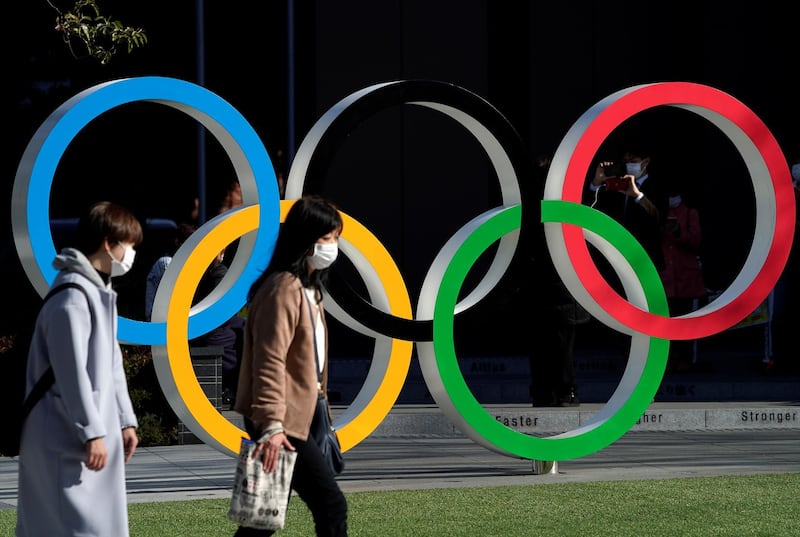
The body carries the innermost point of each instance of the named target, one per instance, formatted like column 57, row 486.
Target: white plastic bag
column 260, row 498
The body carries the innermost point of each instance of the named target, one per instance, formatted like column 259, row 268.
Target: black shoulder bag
column 322, row 431
column 14, row 419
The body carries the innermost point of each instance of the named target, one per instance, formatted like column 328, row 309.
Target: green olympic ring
column 639, row 383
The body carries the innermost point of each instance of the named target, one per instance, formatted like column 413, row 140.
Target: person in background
column 78, row 438
column 285, row 353
column 231, row 198
column 786, row 294
column 627, row 191
column 682, row 274
column 280, row 172
column 543, row 298
column 229, row 335
column 160, row 267
column 638, row 202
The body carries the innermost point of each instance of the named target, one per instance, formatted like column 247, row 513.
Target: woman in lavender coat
column 78, row 437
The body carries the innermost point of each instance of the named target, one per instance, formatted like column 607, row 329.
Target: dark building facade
column 411, row 176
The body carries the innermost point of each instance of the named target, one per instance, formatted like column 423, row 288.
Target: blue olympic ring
column 247, row 152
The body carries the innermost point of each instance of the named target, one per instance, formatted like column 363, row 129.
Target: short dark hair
column 107, row 220
column 638, row 148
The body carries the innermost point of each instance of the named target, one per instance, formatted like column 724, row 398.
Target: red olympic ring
column 758, row 147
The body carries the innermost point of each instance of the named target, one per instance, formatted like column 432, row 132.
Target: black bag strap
column 48, row 378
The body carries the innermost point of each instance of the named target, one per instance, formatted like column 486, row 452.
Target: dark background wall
column 410, row 176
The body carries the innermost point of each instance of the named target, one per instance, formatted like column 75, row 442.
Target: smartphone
column 619, row 184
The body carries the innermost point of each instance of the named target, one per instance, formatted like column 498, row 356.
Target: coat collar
column 73, row 260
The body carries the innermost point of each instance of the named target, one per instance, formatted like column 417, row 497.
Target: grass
column 764, row 505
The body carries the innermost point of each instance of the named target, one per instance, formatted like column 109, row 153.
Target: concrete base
column 406, row 421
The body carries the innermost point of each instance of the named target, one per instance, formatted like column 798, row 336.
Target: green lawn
column 721, row 506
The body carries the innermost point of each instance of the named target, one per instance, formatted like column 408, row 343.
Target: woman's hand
column 268, row 451
column 96, row 454
column 129, row 442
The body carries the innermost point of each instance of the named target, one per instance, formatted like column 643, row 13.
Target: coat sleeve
column 69, row 326
column 127, row 416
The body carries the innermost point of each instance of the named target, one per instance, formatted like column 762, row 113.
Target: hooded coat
column 58, row 495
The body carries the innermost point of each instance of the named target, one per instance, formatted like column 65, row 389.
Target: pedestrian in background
column 552, row 315
column 682, row 275
column 160, row 265
column 229, row 335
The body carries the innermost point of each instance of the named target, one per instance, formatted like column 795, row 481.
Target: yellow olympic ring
column 173, row 361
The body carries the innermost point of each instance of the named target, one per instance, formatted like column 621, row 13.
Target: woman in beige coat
column 282, row 375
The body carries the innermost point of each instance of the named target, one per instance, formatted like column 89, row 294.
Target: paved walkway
column 424, row 461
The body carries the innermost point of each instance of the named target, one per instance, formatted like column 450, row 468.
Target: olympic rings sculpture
column 568, row 227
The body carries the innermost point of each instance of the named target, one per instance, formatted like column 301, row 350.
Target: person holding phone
column 629, row 194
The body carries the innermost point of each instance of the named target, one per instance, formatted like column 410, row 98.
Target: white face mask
column 796, row 172
column 634, row 169
column 674, row 201
column 118, row 268
column 324, row 255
